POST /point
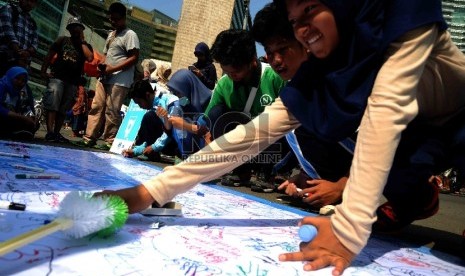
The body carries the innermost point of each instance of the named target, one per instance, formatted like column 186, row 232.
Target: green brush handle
column 33, row 235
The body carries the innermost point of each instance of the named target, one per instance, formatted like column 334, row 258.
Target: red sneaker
column 389, row 222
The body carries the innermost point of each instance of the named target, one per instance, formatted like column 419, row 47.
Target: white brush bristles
column 89, row 214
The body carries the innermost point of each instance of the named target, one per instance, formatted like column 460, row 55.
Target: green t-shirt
column 235, row 96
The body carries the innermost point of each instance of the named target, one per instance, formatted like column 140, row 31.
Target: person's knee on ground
column 410, row 196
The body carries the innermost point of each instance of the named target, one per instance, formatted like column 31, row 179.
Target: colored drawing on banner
column 129, row 128
column 220, row 232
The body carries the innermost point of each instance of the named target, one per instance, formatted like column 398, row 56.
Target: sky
column 172, row 8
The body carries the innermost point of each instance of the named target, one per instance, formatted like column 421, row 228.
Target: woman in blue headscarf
column 16, row 105
column 186, row 85
column 194, row 98
column 386, row 68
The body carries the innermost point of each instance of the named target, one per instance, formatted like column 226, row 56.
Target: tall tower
column 202, row 20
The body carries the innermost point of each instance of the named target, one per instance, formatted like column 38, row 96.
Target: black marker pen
column 12, row 205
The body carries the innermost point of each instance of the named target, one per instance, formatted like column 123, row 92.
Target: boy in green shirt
column 241, row 94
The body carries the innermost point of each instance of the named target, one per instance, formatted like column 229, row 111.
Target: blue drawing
column 222, row 232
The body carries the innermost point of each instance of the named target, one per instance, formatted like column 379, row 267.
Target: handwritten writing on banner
column 220, row 233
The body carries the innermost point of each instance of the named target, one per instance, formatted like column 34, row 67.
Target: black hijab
column 329, row 96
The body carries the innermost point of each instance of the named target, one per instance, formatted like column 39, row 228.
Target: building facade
column 202, row 20
column 156, row 31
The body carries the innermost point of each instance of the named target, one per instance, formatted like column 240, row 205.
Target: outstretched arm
column 391, row 106
column 216, row 159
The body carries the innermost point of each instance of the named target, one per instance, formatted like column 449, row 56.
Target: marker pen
column 28, row 168
column 14, row 155
column 307, row 232
column 12, row 205
column 304, row 195
column 22, row 145
column 37, row 176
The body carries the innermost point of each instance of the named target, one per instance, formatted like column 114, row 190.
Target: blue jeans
column 59, row 96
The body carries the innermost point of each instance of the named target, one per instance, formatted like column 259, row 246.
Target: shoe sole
column 227, row 181
column 235, row 184
column 101, row 147
column 261, row 190
column 82, row 145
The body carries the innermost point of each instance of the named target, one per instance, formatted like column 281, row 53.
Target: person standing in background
column 117, row 75
column 163, row 72
column 148, row 66
column 80, row 109
column 144, row 70
column 63, row 79
column 18, row 35
column 204, row 68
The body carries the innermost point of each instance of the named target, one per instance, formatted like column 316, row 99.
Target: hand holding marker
column 79, row 215
column 307, row 232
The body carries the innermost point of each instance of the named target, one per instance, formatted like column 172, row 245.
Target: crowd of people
column 363, row 106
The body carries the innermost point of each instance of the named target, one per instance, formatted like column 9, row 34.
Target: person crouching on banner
column 155, row 135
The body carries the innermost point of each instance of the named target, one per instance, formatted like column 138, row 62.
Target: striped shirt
column 24, row 32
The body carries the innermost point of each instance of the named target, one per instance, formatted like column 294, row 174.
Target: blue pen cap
column 307, row 232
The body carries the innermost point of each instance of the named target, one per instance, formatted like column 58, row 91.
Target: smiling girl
column 388, row 68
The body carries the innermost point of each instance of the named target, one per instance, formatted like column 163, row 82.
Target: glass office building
column 454, row 13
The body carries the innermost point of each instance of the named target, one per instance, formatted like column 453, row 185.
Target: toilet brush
column 79, row 215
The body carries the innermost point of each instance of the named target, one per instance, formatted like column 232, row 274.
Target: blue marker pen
column 307, row 232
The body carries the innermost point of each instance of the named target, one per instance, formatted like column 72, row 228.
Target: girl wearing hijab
column 194, row 98
column 388, row 68
column 204, row 68
column 163, row 72
column 400, row 82
column 190, row 91
column 16, row 105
